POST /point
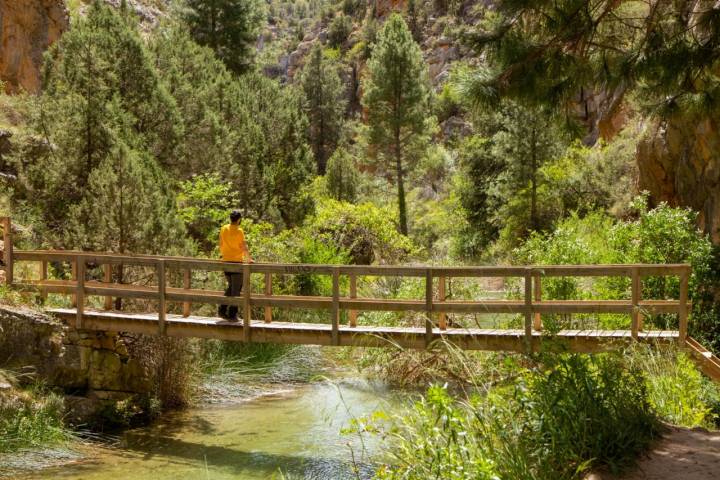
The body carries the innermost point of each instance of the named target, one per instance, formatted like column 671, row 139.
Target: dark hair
column 235, row 216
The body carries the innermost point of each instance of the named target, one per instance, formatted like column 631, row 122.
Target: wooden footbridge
column 168, row 294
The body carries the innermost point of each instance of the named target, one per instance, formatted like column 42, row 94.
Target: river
column 292, row 434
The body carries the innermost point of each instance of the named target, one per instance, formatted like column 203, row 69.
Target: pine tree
column 97, row 76
column 342, row 176
column 525, row 142
column 547, row 52
column 325, row 105
column 229, row 27
column 413, row 16
column 127, row 206
column 395, row 93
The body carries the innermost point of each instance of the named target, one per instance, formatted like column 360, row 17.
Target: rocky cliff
column 679, row 162
column 27, row 28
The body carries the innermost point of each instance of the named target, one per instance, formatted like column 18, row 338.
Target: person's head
column 235, row 216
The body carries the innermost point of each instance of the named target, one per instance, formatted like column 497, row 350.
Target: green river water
column 294, row 432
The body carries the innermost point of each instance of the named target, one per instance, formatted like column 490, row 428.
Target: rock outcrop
column 679, row 163
column 27, row 28
column 94, row 369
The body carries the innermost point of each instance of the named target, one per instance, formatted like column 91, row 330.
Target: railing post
column 187, row 285
column 247, row 286
column 107, row 278
column 162, row 305
column 528, row 310
column 683, row 307
column 635, row 312
column 537, row 293
column 8, row 250
column 428, row 307
column 44, row 277
column 352, row 315
column 335, row 306
column 79, row 290
column 442, row 317
column 74, row 277
column 268, row 292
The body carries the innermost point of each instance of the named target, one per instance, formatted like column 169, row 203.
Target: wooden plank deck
column 362, row 336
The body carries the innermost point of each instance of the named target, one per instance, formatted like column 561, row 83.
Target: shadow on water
column 240, row 461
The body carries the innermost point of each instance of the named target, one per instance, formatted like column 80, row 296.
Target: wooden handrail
column 531, row 306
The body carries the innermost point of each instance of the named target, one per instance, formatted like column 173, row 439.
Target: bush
column 677, row 390
column 339, row 30
column 576, row 413
column 365, row 231
column 663, row 234
column 30, row 419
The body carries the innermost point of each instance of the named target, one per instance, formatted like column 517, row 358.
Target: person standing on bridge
column 233, row 248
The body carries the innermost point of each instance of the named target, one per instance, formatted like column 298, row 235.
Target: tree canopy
column 547, row 51
column 395, row 92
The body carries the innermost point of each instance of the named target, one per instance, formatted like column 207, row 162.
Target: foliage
column 204, row 204
column 554, row 422
column 364, row 231
column 663, row 234
column 30, row 419
column 395, row 92
column 480, row 169
column 104, row 117
column 126, row 207
column 339, row 30
column 677, row 391
column 249, row 130
column 324, row 104
column 547, row 52
column 229, row 27
column 342, row 176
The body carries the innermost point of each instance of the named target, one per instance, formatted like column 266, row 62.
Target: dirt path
column 682, row 454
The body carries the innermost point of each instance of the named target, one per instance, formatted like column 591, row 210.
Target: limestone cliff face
column 679, row 162
column 27, row 28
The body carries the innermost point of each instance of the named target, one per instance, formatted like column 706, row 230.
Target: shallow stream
column 293, row 434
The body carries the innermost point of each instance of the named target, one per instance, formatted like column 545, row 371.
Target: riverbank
column 291, row 434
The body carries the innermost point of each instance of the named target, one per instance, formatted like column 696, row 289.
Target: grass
column 30, row 418
column 236, row 370
column 561, row 417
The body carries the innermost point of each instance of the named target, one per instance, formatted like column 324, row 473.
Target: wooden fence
column 434, row 304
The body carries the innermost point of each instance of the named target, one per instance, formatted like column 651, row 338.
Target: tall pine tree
column 325, row 105
column 395, row 93
column 229, row 27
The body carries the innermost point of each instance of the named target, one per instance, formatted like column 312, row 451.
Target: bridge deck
column 321, row 334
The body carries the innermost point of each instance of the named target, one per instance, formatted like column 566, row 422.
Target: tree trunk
column 402, row 208
column 533, row 180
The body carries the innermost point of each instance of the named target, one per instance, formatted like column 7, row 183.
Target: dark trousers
column 234, row 287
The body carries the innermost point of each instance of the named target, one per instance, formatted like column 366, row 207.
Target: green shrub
column 677, row 390
column 31, row 419
column 576, row 413
column 365, row 231
column 663, row 234
column 339, row 29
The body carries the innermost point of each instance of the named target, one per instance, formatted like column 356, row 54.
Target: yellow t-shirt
column 232, row 239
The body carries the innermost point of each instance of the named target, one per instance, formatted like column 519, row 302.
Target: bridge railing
column 434, row 304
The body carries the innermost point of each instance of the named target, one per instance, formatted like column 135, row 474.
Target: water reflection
column 297, row 434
